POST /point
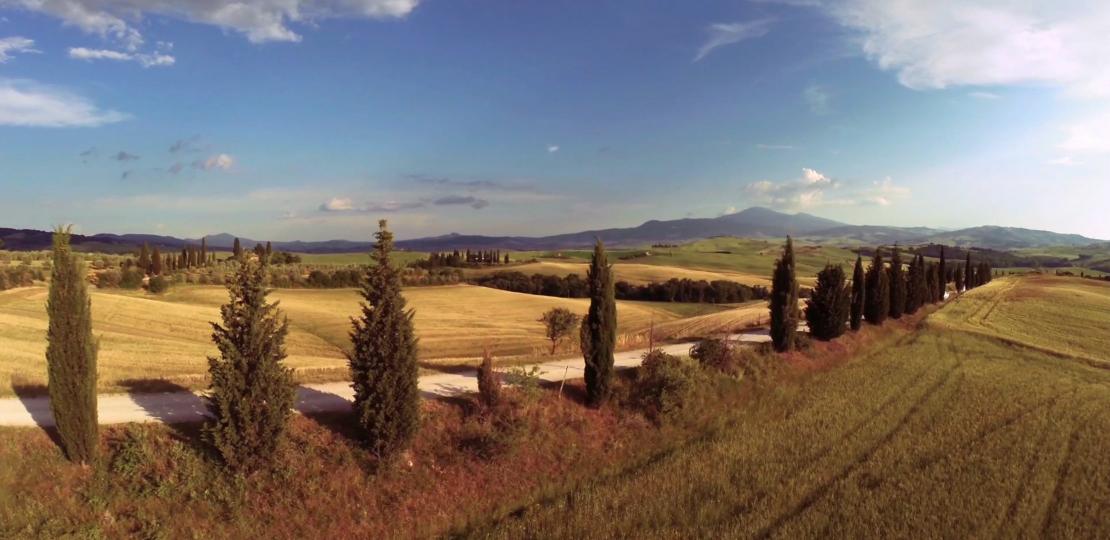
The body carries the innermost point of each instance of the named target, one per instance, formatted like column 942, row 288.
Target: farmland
column 950, row 427
column 144, row 336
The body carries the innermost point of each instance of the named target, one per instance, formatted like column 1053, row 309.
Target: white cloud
column 144, row 59
column 1087, row 135
column 1066, row 161
column 13, row 45
column 984, row 95
column 814, row 189
column 817, row 98
column 944, row 43
column 27, row 103
column 722, row 34
column 222, row 162
column 259, row 20
column 551, row 149
column 345, row 204
column 337, row 204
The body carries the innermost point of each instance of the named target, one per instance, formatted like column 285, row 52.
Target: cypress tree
column 932, row 282
column 943, row 272
column 877, row 301
column 917, row 294
column 269, row 249
column 897, row 285
column 859, row 294
column 383, row 356
column 204, row 250
column 969, row 272
column 144, row 259
column 784, row 301
column 912, row 301
column 155, row 262
column 600, row 328
column 237, row 249
column 71, row 354
column 252, row 392
column 828, row 309
column 959, row 278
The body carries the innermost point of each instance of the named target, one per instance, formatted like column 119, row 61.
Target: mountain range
column 755, row 222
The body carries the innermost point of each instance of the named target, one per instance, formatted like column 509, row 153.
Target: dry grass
column 144, row 337
column 634, row 273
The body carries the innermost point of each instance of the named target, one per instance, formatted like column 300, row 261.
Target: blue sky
column 311, row 120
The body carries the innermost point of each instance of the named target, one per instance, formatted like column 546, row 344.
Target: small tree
column 489, row 383
column 859, row 294
column 877, row 303
column 600, row 328
column 784, row 300
column 828, row 309
column 559, row 323
column 71, row 354
column 252, row 392
column 383, row 356
column 897, row 285
column 156, row 262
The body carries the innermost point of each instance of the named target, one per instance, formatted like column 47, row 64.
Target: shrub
column 665, row 385
column 489, row 382
column 487, row 436
column 108, row 279
column 131, row 278
column 715, row 353
column 158, row 285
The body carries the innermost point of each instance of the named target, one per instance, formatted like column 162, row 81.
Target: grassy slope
column 946, row 430
column 143, row 336
column 635, row 273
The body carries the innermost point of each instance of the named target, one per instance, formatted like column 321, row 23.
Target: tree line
column 884, row 290
column 672, row 290
column 463, row 259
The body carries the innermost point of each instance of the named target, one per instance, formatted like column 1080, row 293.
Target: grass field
column 634, row 273
column 950, row 430
column 143, row 336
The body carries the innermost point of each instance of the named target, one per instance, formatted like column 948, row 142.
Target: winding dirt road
column 180, row 407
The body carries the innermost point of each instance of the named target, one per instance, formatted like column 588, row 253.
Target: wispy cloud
column 469, row 185
column 722, row 34
column 221, row 162
column 814, row 189
column 143, row 59
column 10, row 46
column 190, row 144
column 451, row 200
column 817, row 98
column 552, row 148
column 259, row 20
column 124, row 156
column 27, row 103
column 346, row 204
column 984, row 95
column 762, row 146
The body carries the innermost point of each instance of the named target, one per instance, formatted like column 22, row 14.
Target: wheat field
column 143, row 336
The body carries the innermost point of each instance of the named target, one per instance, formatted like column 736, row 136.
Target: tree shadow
column 329, row 411
column 172, row 404
column 36, row 399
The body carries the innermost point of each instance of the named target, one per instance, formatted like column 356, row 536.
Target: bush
column 665, row 385
column 714, row 353
column 108, row 279
column 489, row 382
column 158, row 285
column 131, row 279
column 488, row 436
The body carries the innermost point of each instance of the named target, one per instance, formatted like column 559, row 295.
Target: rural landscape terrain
column 632, row 269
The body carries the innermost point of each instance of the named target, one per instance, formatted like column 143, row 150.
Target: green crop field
column 955, row 429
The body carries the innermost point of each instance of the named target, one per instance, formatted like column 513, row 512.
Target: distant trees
column 71, row 353
column 859, row 294
column 897, row 285
column 784, row 300
column 252, row 392
column 559, row 323
column 237, row 250
column 599, row 330
column 383, row 356
column 877, row 302
column 672, row 290
column 463, row 259
column 829, row 307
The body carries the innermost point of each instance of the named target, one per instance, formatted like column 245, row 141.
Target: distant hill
column 753, row 222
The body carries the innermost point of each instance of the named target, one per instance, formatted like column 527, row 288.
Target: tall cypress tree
column 600, row 328
column 252, row 392
column 943, row 272
column 958, row 278
column 784, row 301
column 969, row 272
column 877, row 302
column 204, row 250
column 155, row 262
column 71, row 354
column 912, row 300
column 859, row 294
column 828, row 309
column 237, row 249
column 144, row 259
column 932, row 282
column 897, row 285
column 383, row 356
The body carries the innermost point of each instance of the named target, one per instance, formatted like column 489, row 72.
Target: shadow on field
column 172, row 404
column 36, row 400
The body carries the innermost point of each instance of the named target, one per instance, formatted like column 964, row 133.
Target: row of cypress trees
column 883, row 290
column 252, row 392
